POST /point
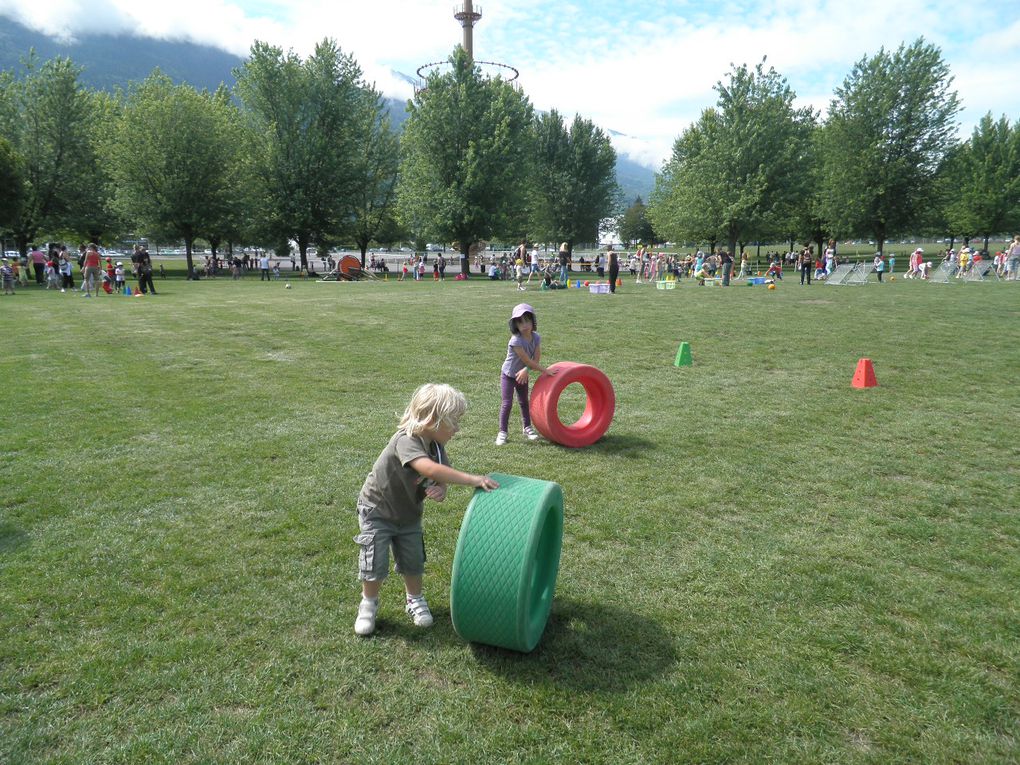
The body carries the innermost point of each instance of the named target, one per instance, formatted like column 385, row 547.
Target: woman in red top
column 93, row 273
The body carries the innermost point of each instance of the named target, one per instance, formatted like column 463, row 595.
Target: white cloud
column 643, row 69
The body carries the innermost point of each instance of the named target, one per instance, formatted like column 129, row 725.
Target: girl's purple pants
column 507, row 385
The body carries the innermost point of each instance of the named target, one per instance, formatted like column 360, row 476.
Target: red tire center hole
column 571, row 404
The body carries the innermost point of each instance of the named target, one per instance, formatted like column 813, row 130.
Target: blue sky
column 643, row 69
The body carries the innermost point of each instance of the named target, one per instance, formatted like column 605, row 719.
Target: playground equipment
column 506, row 563
column 943, row 273
column 849, row 274
column 983, row 270
column 347, row 269
column 600, row 404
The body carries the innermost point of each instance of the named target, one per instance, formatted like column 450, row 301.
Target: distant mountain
column 114, row 61
column 634, row 179
column 110, row 62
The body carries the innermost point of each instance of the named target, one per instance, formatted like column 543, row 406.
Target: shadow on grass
column 624, row 445
column 11, row 538
column 587, row 647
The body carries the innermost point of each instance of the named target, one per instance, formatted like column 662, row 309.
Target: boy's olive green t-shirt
column 394, row 490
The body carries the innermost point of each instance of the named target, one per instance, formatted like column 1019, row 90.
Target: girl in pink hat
column 523, row 352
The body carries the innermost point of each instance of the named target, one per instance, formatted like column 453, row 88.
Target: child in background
column 523, row 352
column 519, row 274
column 51, row 274
column 7, row 276
column 411, row 467
column 118, row 277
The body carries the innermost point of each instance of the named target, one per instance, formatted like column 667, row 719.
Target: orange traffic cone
column 619, row 282
column 864, row 377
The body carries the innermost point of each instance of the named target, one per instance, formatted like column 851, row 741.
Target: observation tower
column 468, row 15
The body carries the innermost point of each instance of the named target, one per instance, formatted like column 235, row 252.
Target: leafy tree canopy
column 890, row 128
column 466, row 152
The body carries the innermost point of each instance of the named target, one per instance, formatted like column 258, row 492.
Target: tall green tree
column 47, row 123
column 890, row 126
column 375, row 191
column 305, row 123
column 740, row 170
column 96, row 218
column 12, row 187
column 174, row 160
column 465, row 157
column 686, row 203
column 574, row 187
column 634, row 225
column 984, row 181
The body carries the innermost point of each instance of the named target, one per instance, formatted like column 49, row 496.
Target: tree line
column 885, row 162
column 300, row 150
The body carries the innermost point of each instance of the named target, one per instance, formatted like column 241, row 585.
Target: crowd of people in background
column 54, row 267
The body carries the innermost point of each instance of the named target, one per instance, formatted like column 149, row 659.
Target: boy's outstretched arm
column 446, row 474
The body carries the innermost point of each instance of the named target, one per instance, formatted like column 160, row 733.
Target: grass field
column 760, row 563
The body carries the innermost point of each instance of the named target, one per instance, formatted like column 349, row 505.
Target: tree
column 96, row 218
column 375, row 190
column 890, row 126
column 634, row 225
column 686, row 203
column 12, row 187
column 984, row 197
column 741, row 169
column 304, row 121
column 574, row 185
column 173, row 156
column 46, row 122
column 465, row 148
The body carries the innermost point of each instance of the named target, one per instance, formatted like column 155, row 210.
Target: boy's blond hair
column 432, row 405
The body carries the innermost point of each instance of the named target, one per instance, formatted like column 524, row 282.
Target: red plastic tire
column 599, row 407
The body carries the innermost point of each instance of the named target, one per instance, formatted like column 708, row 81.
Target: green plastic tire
column 506, row 563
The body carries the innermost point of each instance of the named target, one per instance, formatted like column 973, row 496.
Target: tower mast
column 467, row 16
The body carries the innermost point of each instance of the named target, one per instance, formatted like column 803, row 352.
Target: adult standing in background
column 93, row 275
column 727, row 266
column 264, row 268
column 144, row 264
column 564, row 256
column 614, row 267
column 879, row 264
column 806, row 263
column 830, row 257
column 38, row 258
column 1013, row 259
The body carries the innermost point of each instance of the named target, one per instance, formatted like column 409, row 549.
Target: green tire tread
column 506, row 563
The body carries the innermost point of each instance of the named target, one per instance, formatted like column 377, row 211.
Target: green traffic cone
column 683, row 356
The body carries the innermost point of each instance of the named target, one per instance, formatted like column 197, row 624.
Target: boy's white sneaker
column 419, row 611
column 531, row 433
column 365, row 623
column 501, row 438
